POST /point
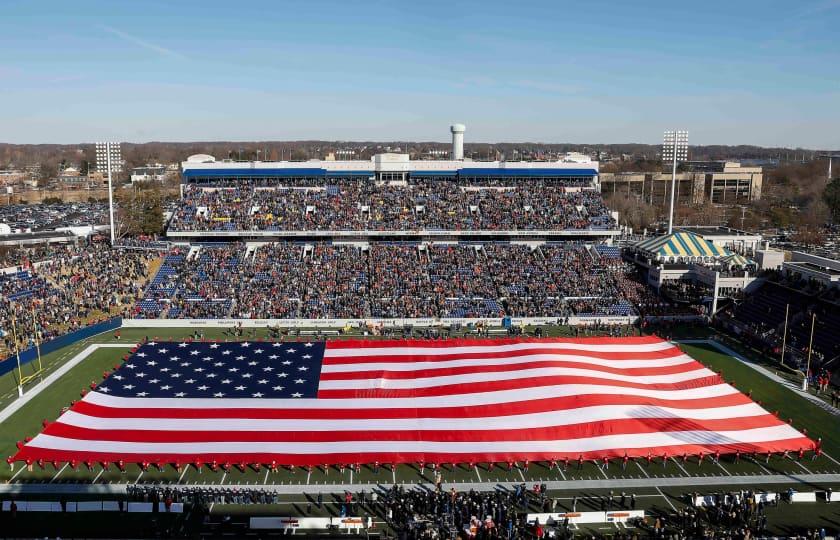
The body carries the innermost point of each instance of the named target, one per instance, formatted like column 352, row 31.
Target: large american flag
column 366, row 401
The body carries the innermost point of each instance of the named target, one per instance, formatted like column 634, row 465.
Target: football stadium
column 416, row 348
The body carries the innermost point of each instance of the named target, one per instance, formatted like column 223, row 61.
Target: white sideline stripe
column 463, row 400
column 492, row 423
column 484, row 349
column 16, row 405
column 596, row 443
column 491, row 376
column 508, row 361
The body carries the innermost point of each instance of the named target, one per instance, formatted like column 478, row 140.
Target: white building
column 149, row 173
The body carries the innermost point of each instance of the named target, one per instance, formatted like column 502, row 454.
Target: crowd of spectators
column 76, row 287
column 382, row 280
column 368, row 205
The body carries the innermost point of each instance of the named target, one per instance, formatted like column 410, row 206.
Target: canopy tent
column 681, row 246
column 737, row 260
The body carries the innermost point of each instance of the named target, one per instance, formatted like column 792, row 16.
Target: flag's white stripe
column 511, row 360
column 589, row 444
column 332, row 352
column 466, row 399
column 490, row 376
column 492, row 423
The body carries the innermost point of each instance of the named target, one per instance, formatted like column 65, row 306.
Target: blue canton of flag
column 219, row 370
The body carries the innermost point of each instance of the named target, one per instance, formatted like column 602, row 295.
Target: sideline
column 612, row 483
column 16, row 405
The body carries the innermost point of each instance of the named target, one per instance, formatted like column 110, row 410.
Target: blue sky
column 734, row 72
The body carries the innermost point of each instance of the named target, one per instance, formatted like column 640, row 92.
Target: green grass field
column 47, row 405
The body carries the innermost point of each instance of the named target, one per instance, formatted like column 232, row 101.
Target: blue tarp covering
column 31, row 354
column 252, row 173
column 526, row 172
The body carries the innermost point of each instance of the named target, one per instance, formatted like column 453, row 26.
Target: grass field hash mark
column 681, row 467
column 95, row 478
column 642, row 469
column 58, row 473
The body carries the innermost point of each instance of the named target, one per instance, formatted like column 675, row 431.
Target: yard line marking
column 98, row 475
column 22, row 468
column 667, row 500
column 602, row 471
column 308, row 474
column 183, row 473
column 521, row 475
column 476, row 473
column 265, row 480
column 641, row 469
column 61, row 470
column 831, row 458
column 760, row 466
column 138, row 477
column 210, row 510
column 222, row 481
column 393, row 473
column 351, row 475
column 681, row 467
column 719, row 464
column 563, row 476
column 804, row 468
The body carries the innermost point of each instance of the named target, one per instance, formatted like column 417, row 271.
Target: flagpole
column 17, row 353
column 810, row 346
column 784, row 335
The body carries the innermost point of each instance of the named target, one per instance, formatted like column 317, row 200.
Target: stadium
column 323, row 345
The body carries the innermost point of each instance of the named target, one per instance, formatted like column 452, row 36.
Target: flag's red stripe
column 33, row 453
column 383, row 356
column 475, row 411
column 627, row 427
column 494, row 386
column 462, row 370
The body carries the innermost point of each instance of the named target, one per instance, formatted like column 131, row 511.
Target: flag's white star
column 198, row 369
column 233, row 369
column 203, row 387
column 218, row 364
column 218, row 394
column 246, row 375
column 207, row 358
column 183, row 344
column 273, row 357
column 225, row 352
column 239, row 387
column 151, row 363
column 118, row 377
column 142, row 394
column 278, row 388
column 165, row 387
column 195, row 352
column 176, row 375
column 151, row 343
column 299, row 381
column 189, row 381
column 164, row 369
column 240, row 357
column 103, row 389
column 129, row 366
column 277, row 344
column 307, row 344
column 262, row 381
column 211, row 375
column 128, row 386
column 257, row 351
column 287, row 362
column 246, row 344
column 162, row 351
column 290, row 350
column 184, row 364
column 307, row 356
column 174, row 358
column 141, row 375
column 303, row 368
column 258, row 394
column 180, row 394
column 297, row 394
column 269, row 368
column 252, row 363
column 226, row 381
column 154, row 381
column 141, row 354
column 214, row 346
column 282, row 374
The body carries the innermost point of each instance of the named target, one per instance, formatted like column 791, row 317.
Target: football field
column 673, row 475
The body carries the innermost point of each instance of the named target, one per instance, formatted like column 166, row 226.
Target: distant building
column 149, row 173
column 13, row 178
column 721, row 182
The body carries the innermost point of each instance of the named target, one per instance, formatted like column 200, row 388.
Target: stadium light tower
column 674, row 148
column 108, row 153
